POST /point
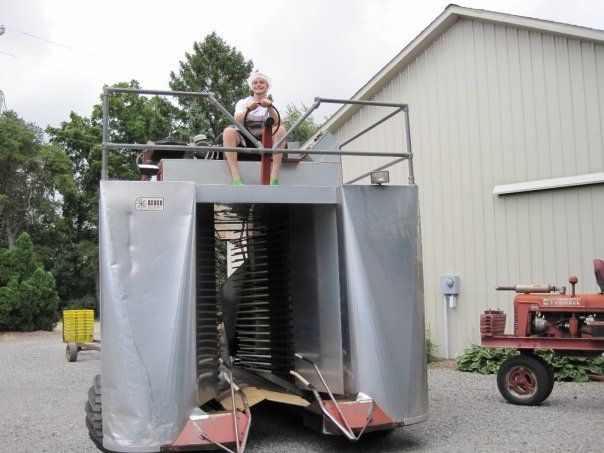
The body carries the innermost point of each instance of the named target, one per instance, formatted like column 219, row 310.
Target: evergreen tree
column 215, row 67
column 28, row 297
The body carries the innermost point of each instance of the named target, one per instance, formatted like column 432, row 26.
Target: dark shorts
column 246, row 143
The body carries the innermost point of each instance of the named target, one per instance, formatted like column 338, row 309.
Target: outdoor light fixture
column 380, row 177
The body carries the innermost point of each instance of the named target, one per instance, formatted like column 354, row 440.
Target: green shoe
column 275, row 182
column 237, row 182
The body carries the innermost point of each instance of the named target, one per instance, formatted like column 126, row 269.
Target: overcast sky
column 309, row 47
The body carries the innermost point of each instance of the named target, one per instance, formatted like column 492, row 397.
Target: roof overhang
column 432, row 32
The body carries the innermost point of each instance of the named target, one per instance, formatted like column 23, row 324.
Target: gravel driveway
column 42, row 410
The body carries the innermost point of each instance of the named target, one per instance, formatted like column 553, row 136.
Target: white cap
column 260, row 75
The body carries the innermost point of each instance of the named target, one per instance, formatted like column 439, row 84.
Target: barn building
column 507, row 127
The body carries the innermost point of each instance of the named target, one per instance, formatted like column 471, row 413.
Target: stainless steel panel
column 326, row 142
column 148, row 369
column 250, row 194
column 382, row 292
column 204, row 171
column 316, row 293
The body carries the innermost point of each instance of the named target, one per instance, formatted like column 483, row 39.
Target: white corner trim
column 548, row 184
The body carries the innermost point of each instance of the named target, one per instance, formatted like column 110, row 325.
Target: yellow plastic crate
column 78, row 326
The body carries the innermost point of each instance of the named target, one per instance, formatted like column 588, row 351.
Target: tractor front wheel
column 550, row 374
column 524, row 380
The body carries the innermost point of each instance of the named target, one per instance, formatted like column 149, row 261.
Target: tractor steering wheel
column 266, row 117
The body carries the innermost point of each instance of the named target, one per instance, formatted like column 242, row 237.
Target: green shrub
column 430, row 347
column 567, row 368
column 487, row 361
column 28, row 296
column 483, row 360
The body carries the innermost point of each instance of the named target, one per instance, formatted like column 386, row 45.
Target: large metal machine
column 323, row 308
column 545, row 317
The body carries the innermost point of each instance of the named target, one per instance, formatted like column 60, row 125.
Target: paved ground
column 42, row 410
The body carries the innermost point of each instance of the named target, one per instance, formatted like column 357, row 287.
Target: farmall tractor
column 545, row 317
column 323, row 308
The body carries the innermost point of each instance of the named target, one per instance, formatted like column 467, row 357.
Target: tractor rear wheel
column 94, row 414
column 524, row 380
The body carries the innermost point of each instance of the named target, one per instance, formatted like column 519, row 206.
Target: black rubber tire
column 523, row 380
column 550, row 373
column 71, row 352
column 94, row 414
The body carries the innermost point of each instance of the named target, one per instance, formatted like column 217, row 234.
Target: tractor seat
column 599, row 271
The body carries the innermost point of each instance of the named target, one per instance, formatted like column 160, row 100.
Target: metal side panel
column 147, row 251
column 251, row 194
column 206, row 172
column 382, row 298
column 316, row 293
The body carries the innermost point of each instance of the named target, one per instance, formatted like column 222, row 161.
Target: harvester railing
column 405, row 156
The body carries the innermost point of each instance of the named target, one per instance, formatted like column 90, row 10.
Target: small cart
column 78, row 333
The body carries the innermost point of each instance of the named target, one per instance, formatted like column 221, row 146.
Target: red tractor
column 545, row 317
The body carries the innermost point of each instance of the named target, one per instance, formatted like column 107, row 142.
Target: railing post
column 409, row 150
column 104, row 169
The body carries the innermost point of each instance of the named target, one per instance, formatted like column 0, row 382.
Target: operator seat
column 599, row 271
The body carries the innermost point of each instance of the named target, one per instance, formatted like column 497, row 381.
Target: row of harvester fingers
column 264, row 321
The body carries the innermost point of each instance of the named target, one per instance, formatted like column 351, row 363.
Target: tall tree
column 216, row 67
column 33, row 175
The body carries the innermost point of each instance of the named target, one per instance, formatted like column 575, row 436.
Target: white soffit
column 548, row 184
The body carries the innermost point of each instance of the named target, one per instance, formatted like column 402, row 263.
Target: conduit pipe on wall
column 449, row 286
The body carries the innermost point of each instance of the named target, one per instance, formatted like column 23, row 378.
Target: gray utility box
column 335, row 271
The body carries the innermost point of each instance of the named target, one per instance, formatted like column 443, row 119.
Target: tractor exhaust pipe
column 526, row 289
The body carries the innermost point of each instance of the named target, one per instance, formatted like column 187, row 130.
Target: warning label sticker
column 149, row 204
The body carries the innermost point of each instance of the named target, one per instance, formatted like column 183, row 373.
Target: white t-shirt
column 254, row 118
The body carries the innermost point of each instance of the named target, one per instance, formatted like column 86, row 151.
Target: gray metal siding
column 493, row 104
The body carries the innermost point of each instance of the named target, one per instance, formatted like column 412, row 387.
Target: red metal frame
column 266, row 159
column 356, row 413
column 218, row 427
column 526, row 306
column 561, row 344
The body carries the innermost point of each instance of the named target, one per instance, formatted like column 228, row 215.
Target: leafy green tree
column 33, row 177
column 216, row 67
column 28, row 297
column 303, row 132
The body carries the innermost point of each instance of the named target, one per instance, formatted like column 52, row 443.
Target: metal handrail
column 344, row 429
column 408, row 155
column 248, row 150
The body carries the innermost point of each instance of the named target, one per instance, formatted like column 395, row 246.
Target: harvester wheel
column 71, row 352
column 523, row 380
column 94, row 414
